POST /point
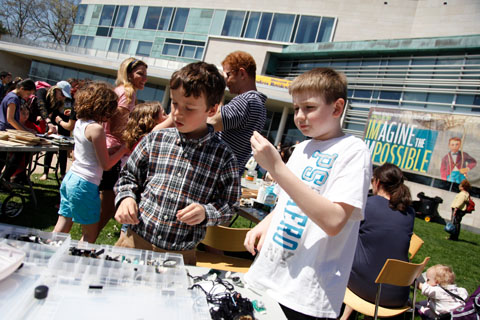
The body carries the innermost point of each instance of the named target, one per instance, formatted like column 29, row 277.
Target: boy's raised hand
column 264, row 152
column 127, row 211
column 192, row 214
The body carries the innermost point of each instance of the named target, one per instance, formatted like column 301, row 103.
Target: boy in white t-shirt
column 307, row 244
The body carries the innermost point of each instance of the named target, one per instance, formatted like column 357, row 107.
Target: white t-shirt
column 299, row 265
column 439, row 301
column 86, row 164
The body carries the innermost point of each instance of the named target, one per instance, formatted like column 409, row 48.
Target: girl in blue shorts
column 80, row 200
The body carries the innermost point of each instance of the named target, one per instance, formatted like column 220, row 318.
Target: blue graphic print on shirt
column 292, row 226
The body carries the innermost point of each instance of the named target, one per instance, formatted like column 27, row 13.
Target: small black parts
column 41, row 292
column 95, row 287
column 91, row 253
column 169, row 263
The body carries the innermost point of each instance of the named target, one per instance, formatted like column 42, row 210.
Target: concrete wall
column 218, row 48
column 18, row 66
column 358, row 19
column 470, row 221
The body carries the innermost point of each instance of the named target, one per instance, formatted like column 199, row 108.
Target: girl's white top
column 86, row 164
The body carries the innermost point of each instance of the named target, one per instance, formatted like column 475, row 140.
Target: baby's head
column 440, row 274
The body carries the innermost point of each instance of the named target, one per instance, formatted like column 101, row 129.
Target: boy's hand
column 192, row 214
column 264, row 152
column 127, row 211
column 258, row 233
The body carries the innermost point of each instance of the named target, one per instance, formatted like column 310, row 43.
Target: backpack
column 470, row 206
column 471, row 310
column 42, row 84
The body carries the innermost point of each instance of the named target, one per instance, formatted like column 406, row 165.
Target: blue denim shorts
column 80, row 200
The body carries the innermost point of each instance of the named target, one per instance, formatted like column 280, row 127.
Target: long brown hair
column 391, row 180
column 142, row 119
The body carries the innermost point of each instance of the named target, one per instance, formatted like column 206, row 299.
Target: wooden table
column 30, row 152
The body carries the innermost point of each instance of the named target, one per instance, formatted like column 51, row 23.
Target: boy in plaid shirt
column 179, row 180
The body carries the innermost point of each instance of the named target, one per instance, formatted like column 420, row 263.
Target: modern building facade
column 417, row 55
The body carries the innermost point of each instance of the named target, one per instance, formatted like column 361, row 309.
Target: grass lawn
column 462, row 255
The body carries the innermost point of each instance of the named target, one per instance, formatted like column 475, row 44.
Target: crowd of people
column 166, row 178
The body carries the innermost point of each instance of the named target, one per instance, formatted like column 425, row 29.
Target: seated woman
column 384, row 234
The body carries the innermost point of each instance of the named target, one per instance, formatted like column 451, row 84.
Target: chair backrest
column 400, row 273
column 415, row 244
column 225, row 238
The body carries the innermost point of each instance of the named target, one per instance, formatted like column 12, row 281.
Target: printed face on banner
column 430, row 144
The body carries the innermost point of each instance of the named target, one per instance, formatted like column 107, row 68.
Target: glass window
column 326, row 29
column 233, row 23
column 180, row 19
column 74, row 41
column 80, row 18
column 264, row 25
column 188, row 51
column 307, row 29
column 55, row 72
column 152, row 17
column 133, row 17
column 199, row 53
column 281, row 29
column 170, row 49
column 252, row 25
column 362, row 93
column 121, row 15
column 144, row 48
column 410, row 98
column 125, row 46
column 217, row 22
column 89, row 42
column 69, row 73
column 81, row 42
column 41, row 70
column 199, row 21
column 114, row 45
column 165, row 19
column 390, row 95
column 107, row 15
column 103, row 31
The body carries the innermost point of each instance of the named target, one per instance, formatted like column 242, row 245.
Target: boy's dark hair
column 197, row 78
column 96, row 101
column 4, row 74
column 326, row 81
column 241, row 59
column 26, row 84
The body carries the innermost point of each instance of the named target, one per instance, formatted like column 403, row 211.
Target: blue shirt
column 10, row 98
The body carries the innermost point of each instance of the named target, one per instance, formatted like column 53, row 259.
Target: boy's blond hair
column 325, row 81
column 444, row 275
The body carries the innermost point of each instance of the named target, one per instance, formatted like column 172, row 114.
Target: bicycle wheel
column 13, row 205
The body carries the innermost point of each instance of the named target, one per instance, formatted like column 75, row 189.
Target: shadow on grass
column 41, row 216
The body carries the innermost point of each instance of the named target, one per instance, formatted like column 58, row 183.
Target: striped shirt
column 243, row 115
column 166, row 172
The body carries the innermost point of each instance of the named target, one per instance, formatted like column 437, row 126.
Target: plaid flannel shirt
column 166, row 172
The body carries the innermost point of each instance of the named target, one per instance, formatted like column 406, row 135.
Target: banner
column 443, row 146
column 273, row 82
